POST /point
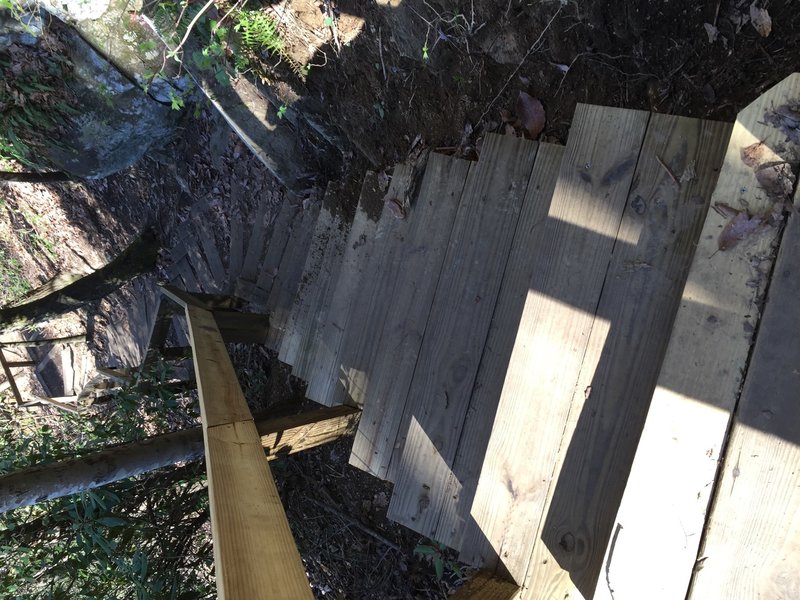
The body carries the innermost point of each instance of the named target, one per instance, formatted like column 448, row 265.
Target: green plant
column 436, row 553
column 14, row 285
column 258, row 31
column 282, row 111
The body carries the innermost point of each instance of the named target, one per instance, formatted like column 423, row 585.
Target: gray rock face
column 117, row 122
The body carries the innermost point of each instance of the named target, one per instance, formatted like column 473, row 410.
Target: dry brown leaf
column 531, row 115
column 712, row 32
column 761, row 20
column 738, row 228
column 776, row 179
column 397, row 208
column 506, row 116
column 753, row 155
column 726, row 210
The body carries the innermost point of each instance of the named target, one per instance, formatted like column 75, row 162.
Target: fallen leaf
column 761, row 20
column 753, row 155
column 397, row 208
column 726, row 210
column 776, row 179
column 712, row 32
column 531, row 115
column 509, row 129
column 786, row 118
column 561, row 67
column 741, row 226
column 506, row 116
column 689, row 173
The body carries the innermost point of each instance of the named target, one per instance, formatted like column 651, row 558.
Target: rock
column 23, row 30
column 117, row 122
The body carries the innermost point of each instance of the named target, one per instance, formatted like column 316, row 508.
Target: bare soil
column 381, row 97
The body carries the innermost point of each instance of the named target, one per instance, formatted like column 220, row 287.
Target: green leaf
column 424, row 550
column 328, row 22
column 112, row 521
column 438, row 565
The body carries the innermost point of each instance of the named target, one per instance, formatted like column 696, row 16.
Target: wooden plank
column 254, row 551
column 241, row 327
column 282, row 295
column 205, row 279
column 287, row 435
column 573, row 250
column 211, row 254
column 236, row 251
column 255, row 246
column 752, row 540
column 685, row 429
column 221, row 398
column 360, row 340
column 312, row 280
column 10, row 378
column 281, row 230
column 466, row 293
column 484, row 585
column 461, row 485
column 400, row 282
column 627, row 344
column 322, row 373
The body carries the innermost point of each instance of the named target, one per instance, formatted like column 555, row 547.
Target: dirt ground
column 406, row 73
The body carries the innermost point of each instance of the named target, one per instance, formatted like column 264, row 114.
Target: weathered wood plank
column 221, row 398
column 457, row 500
column 677, row 457
column 653, row 252
column 402, row 282
column 322, row 263
column 360, row 340
column 211, row 254
column 484, row 585
column 205, row 278
column 236, row 251
column 281, row 230
column 573, row 249
column 322, row 372
column 284, row 287
column 751, row 547
column 254, row 551
column 458, row 325
column 255, row 245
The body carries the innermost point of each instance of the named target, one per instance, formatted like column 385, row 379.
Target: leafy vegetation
column 140, row 538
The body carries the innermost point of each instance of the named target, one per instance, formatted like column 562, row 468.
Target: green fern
column 258, row 31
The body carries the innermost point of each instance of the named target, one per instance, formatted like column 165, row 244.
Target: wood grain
column 457, row 500
column 322, row 369
column 254, row 551
column 403, row 282
column 666, row 499
column 284, row 287
column 458, row 325
column 211, row 254
column 236, row 251
column 255, row 245
column 641, row 294
column 287, row 435
column 751, row 547
column 484, row 585
column 573, row 251
column 281, row 230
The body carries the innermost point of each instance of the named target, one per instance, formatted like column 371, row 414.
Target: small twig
column 668, row 170
column 193, row 22
column 358, row 524
column 380, row 53
column 531, row 50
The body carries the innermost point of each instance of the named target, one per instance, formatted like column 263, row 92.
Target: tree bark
column 140, row 257
column 279, row 436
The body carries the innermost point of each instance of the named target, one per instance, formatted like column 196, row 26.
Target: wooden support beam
column 70, row 339
column 484, row 585
column 21, row 363
column 10, row 378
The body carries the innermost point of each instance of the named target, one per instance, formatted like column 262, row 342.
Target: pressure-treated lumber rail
column 254, row 552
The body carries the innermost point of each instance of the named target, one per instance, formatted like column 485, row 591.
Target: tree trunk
column 279, row 436
column 139, row 257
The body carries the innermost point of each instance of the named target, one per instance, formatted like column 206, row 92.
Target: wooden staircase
column 536, row 374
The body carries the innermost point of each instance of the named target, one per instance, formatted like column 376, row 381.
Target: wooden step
column 324, row 351
column 281, row 230
column 284, row 287
column 684, row 433
column 460, row 491
column 237, row 231
column 259, row 235
column 752, row 537
column 466, row 294
column 382, row 344
column 572, row 251
column 322, row 271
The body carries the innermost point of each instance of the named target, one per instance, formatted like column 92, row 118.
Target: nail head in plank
column 687, row 422
column 573, row 249
column 402, row 279
column 458, row 325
